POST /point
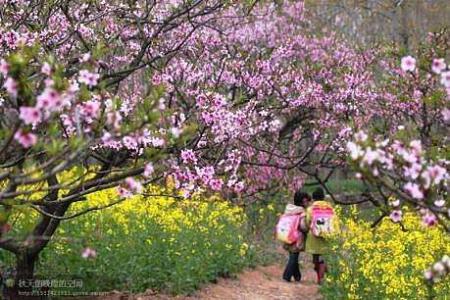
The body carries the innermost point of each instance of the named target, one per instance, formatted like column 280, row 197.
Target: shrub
column 262, row 217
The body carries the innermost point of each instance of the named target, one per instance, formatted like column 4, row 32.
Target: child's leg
column 322, row 271
column 320, row 267
column 296, row 270
column 317, row 263
column 289, row 270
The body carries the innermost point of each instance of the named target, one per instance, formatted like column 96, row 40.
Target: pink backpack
column 323, row 219
column 286, row 230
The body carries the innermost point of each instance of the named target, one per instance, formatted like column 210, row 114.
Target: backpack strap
column 303, row 226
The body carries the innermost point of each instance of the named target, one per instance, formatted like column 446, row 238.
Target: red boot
column 317, row 268
column 322, row 269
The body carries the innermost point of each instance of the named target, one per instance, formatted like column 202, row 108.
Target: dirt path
column 262, row 283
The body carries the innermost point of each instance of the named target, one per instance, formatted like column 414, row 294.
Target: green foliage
column 340, row 186
column 262, row 217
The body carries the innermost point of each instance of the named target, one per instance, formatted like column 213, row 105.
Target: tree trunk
column 404, row 28
column 25, row 265
column 21, row 288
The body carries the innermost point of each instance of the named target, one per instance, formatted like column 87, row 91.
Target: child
column 292, row 269
column 320, row 219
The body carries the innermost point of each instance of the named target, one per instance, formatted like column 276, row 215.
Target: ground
column 261, row 283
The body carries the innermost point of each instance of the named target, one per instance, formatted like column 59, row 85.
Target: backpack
column 286, row 230
column 323, row 219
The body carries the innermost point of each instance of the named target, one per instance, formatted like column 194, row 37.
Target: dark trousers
column 292, row 267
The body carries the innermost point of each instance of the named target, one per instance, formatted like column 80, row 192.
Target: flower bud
column 446, row 261
column 428, row 275
column 439, row 267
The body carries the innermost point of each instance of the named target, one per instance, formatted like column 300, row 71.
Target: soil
column 261, row 283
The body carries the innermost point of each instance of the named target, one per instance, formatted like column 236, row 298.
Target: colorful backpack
column 323, row 219
column 286, row 230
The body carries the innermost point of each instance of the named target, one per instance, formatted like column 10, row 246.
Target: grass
column 339, row 186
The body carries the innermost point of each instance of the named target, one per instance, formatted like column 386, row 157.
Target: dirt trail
column 261, row 283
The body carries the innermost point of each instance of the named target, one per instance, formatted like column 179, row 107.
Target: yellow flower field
column 159, row 242
column 388, row 261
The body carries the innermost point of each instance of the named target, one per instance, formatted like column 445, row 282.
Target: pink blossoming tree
column 222, row 97
column 77, row 95
column 407, row 162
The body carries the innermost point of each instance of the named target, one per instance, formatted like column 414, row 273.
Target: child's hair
column 299, row 198
column 318, row 194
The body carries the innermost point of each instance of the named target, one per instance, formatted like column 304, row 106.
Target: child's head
column 301, row 199
column 318, row 194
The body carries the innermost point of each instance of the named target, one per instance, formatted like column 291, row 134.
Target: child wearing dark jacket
column 292, row 269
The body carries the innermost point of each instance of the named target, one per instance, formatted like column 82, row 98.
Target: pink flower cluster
column 414, row 174
column 89, row 253
column 88, row 78
column 191, row 180
column 438, row 271
column 129, row 187
column 26, row 139
column 438, row 66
